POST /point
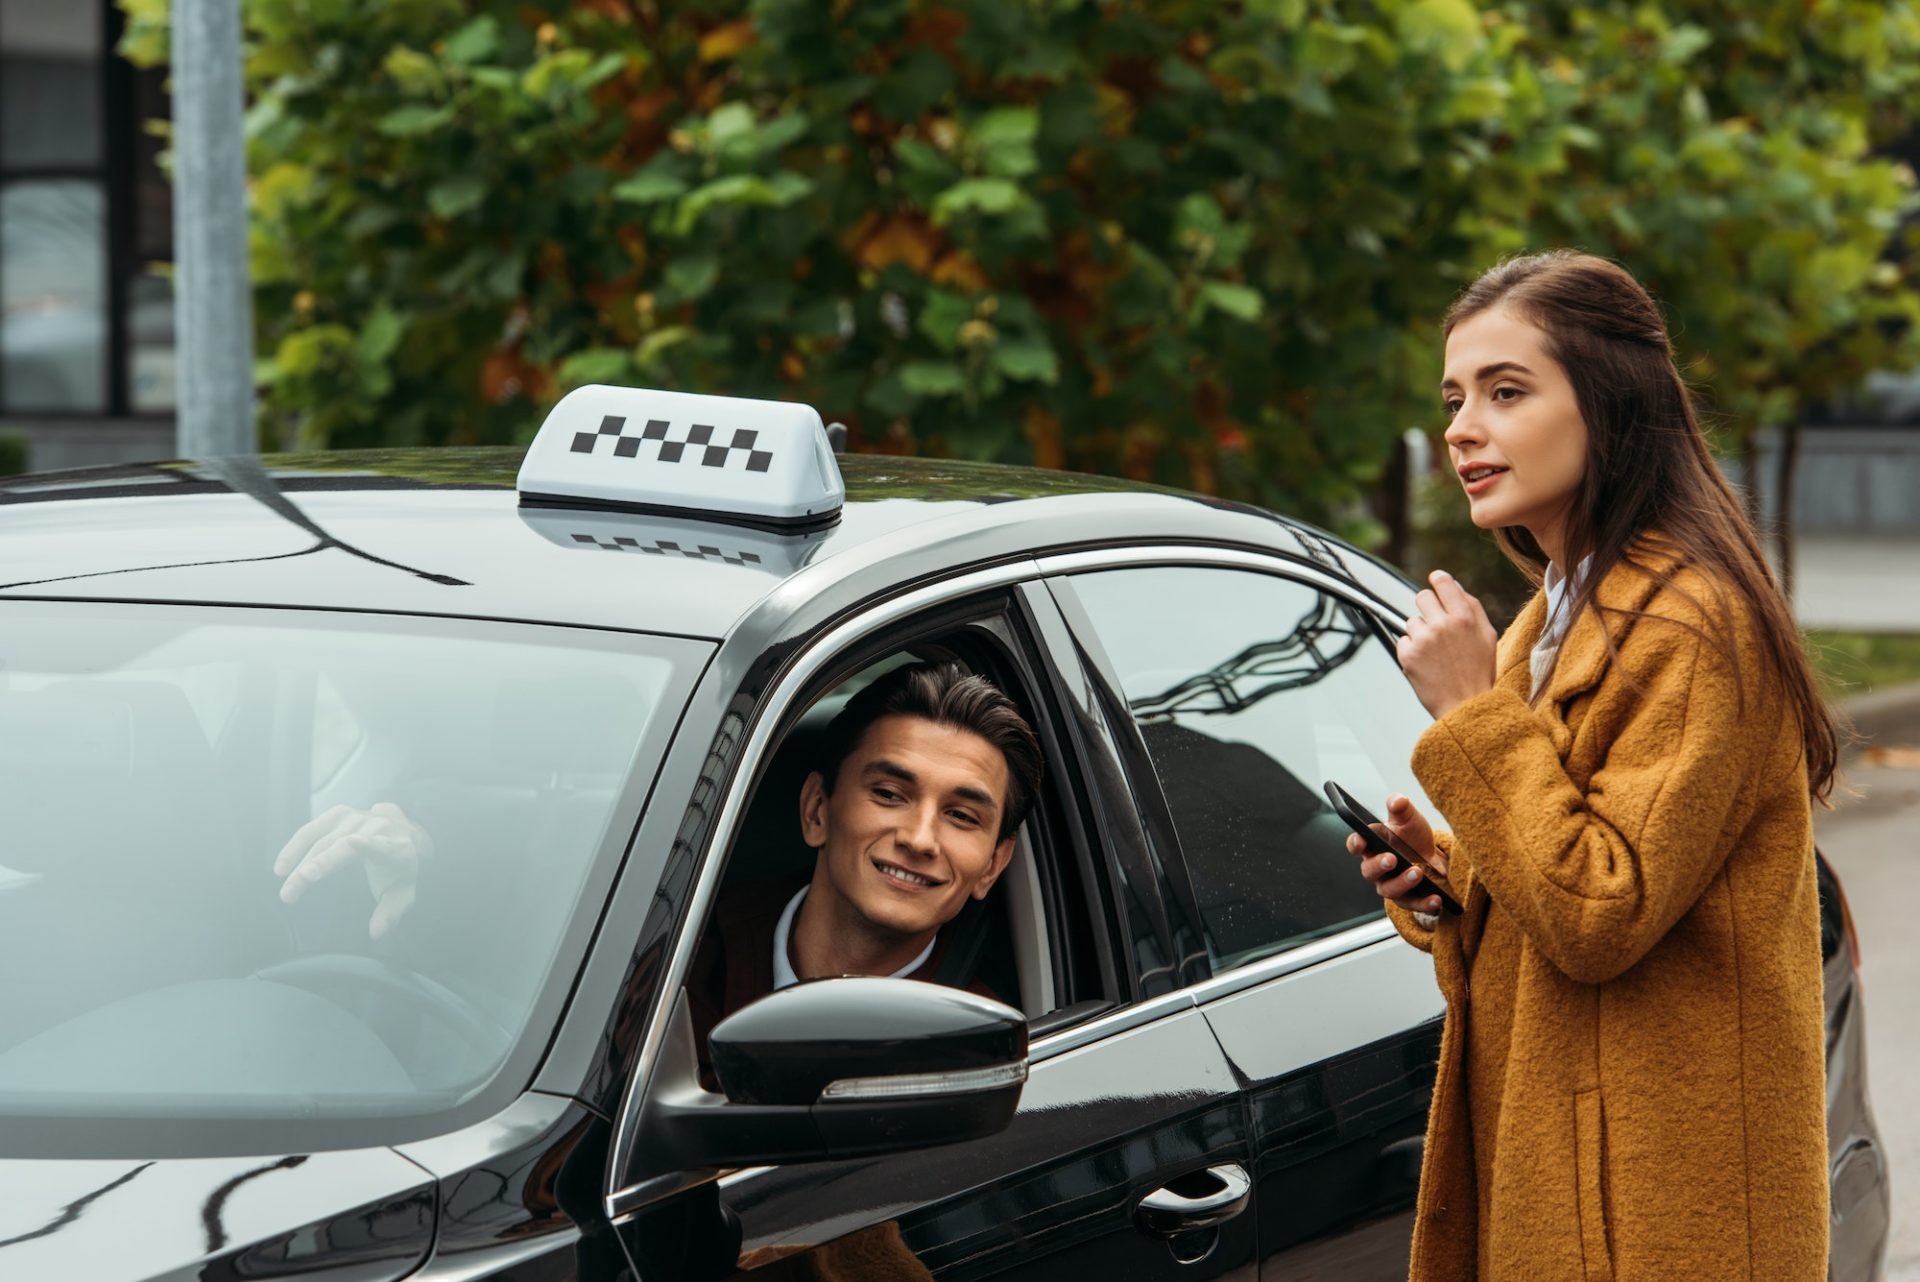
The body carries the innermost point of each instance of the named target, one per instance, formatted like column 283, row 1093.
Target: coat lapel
column 1517, row 642
column 1584, row 653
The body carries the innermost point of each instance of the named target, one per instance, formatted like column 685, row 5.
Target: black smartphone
column 1383, row 842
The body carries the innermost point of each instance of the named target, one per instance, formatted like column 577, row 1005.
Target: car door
column 1128, row 1155
column 1246, row 688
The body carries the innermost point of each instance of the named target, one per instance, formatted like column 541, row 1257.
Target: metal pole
column 213, row 302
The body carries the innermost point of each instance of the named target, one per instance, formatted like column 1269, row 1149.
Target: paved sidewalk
column 1858, row 584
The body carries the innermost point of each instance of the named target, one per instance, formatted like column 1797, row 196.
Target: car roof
column 442, row 532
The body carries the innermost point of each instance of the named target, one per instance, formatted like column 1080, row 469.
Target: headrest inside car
column 562, row 725
column 67, row 727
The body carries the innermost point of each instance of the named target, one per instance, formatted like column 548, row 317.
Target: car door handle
column 1197, row 1200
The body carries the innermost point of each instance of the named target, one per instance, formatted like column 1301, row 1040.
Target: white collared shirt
column 1558, row 588
column 783, row 975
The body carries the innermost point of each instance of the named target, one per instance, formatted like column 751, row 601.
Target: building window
column 86, row 318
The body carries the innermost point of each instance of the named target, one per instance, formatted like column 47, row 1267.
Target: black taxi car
column 595, row 677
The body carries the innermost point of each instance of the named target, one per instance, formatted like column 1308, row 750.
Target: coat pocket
column 1590, row 1159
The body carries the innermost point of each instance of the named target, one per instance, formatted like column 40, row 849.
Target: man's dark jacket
column 734, row 964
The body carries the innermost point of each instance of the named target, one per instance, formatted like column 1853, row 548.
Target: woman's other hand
column 1448, row 652
column 1387, row 873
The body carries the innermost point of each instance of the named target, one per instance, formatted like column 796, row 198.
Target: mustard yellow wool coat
column 1632, row 1079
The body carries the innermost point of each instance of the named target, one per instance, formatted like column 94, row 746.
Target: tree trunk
column 1750, row 475
column 1395, row 505
column 1783, row 488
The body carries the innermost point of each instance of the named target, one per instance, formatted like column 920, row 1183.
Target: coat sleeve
column 1596, row 877
column 1459, row 881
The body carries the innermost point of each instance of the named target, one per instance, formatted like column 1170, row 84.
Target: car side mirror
column 850, row 1067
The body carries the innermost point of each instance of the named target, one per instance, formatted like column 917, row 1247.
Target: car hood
column 354, row 1216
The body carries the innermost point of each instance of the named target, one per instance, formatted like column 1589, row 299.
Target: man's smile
column 906, row 878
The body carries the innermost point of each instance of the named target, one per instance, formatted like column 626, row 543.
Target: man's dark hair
column 948, row 694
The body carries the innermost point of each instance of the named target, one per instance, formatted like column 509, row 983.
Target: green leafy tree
column 1197, row 243
column 1737, row 176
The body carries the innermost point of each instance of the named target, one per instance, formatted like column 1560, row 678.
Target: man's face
column 912, row 827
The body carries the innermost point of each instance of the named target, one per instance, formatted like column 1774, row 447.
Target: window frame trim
column 1060, row 569
column 1106, row 879
column 1187, row 959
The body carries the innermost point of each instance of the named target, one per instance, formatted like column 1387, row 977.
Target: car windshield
column 269, row 864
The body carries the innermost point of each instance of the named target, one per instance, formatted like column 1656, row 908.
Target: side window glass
column 1251, row 691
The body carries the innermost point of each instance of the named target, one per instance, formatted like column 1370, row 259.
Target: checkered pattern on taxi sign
column 667, row 547
column 697, row 445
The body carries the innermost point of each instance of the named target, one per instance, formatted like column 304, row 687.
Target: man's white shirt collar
column 783, row 975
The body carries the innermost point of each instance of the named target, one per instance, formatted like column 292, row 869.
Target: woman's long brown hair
column 1649, row 470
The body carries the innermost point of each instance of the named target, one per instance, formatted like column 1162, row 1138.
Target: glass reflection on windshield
column 286, row 865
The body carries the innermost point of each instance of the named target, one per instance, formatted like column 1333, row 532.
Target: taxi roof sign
column 724, row 458
column 779, row 552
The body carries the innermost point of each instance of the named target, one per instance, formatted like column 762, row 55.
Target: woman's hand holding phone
column 1387, row 872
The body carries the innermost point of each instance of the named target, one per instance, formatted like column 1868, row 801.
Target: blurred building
column 1858, row 476
column 86, row 312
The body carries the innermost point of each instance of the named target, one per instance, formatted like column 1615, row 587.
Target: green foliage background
column 1201, row 243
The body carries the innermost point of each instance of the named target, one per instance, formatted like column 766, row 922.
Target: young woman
column 1631, row 1079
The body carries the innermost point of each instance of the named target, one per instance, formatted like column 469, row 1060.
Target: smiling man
column 923, row 779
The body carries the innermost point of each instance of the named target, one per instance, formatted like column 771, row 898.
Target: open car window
column 996, row 945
